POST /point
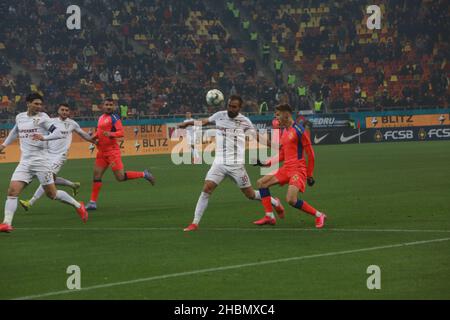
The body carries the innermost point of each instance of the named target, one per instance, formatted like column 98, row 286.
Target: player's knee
column 51, row 194
column 250, row 194
column 260, row 183
column 13, row 192
column 120, row 178
column 291, row 200
column 207, row 188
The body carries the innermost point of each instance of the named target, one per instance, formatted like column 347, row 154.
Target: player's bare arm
column 12, row 136
column 56, row 134
column 186, row 124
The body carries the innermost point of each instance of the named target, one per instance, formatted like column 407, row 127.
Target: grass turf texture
column 367, row 186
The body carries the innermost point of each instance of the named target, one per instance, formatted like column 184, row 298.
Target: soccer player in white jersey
column 34, row 128
column 58, row 150
column 191, row 137
column 230, row 157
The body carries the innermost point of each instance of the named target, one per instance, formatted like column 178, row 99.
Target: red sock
column 130, row 175
column 308, row 209
column 96, row 186
column 267, row 203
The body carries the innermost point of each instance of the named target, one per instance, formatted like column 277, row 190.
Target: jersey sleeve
column 13, row 134
column 48, row 125
column 250, row 129
column 214, row 117
column 307, row 147
column 81, row 132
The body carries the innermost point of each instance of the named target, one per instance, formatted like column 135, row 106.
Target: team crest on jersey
column 66, row 125
column 291, row 136
column 36, row 121
column 295, row 178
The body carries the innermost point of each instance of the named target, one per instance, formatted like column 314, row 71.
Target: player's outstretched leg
column 263, row 184
column 10, row 210
column 305, row 207
column 122, row 175
column 96, row 187
column 276, row 203
column 14, row 190
column 75, row 186
column 27, row 204
column 200, row 208
column 64, row 197
column 252, row 194
column 269, row 217
column 202, row 204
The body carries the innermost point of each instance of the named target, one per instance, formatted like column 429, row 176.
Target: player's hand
column 2, row 147
column 260, row 164
column 38, row 137
column 310, row 181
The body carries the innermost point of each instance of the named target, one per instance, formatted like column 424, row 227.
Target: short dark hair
column 284, row 107
column 34, row 96
column 236, row 97
column 64, row 104
column 109, row 99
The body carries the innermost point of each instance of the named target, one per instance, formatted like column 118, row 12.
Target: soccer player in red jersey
column 295, row 142
column 109, row 129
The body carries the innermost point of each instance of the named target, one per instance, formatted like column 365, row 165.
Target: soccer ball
column 214, row 97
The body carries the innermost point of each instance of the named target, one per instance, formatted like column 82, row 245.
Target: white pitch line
column 227, row 229
column 231, row 267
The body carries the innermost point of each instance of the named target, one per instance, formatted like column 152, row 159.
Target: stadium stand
column 160, row 57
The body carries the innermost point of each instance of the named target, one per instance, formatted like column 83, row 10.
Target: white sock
column 318, row 214
column 37, row 194
column 10, row 209
column 202, row 204
column 64, row 182
column 64, row 197
column 272, row 199
column 270, row 214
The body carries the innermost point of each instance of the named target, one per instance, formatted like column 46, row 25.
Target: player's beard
column 232, row 114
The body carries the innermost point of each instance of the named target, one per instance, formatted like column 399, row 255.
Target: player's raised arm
column 84, row 135
column 55, row 133
column 186, row 124
column 13, row 134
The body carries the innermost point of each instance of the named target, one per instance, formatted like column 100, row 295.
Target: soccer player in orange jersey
column 109, row 129
column 295, row 142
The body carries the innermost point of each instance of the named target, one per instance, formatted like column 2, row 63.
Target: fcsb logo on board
column 422, row 134
column 378, row 136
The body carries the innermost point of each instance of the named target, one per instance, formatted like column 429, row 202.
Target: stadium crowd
column 160, row 57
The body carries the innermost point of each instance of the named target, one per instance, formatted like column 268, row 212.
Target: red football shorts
column 293, row 176
column 110, row 159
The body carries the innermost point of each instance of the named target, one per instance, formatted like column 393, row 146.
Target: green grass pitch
column 378, row 197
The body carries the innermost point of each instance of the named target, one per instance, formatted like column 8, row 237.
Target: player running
column 58, row 150
column 294, row 143
column 32, row 127
column 192, row 136
column 109, row 129
column 229, row 160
